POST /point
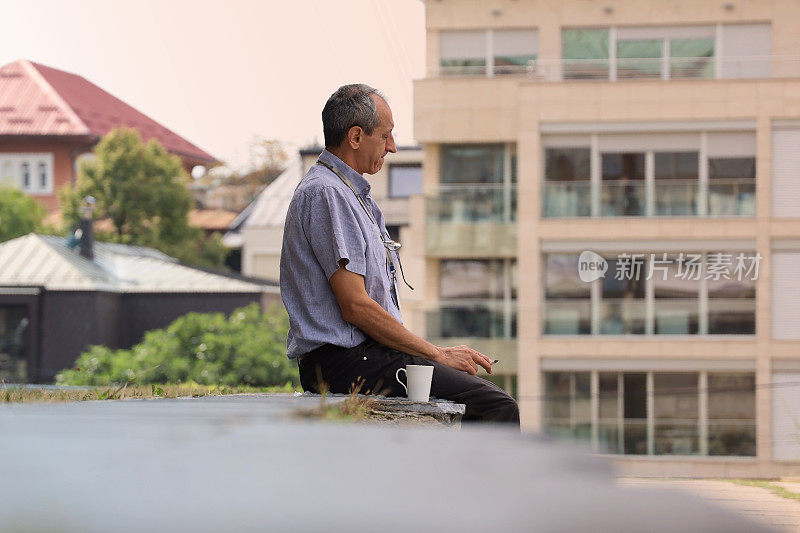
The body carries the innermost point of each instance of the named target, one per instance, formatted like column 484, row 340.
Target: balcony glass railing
column 567, row 199
column 623, row 316
column 568, row 317
column 474, row 203
column 622, row 198
column 635, row 68
column 676, row 197
column 473, row 318
column 732, row 197
column 676, row 316
column 731, row 316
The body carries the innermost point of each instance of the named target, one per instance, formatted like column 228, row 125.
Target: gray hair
column 351, row 105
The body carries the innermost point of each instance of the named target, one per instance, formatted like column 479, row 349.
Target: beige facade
column 537, row 107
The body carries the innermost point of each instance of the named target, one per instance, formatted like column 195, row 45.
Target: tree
column 20, row 214
column 142, row 189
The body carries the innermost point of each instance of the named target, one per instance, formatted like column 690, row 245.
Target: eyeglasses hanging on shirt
column 388, row 244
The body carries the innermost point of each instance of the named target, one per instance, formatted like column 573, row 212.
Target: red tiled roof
column 40, row 100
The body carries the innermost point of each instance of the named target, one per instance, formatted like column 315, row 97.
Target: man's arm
column 359, row 309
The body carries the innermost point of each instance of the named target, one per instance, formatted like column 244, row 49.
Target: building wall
column 63, row 168
column 73, row 321
column 522, row 110
column 69, row 325
column 143, row 312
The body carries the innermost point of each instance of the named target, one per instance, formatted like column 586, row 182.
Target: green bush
column 247, row 348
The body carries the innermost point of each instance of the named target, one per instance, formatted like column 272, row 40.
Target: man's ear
column 354, row 136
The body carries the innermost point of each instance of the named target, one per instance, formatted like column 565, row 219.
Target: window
column 514, row 51
column 30, row 172
column 623, row 191
column 462, row 52
column 693, row 413
column 622, row 307
column 405, row 180
column 467, row 52
column 676, row 186
column 652, row 174
column 731, row 301
column 652, row 293
column 477, row 184
column 13, row 343
column 567, row 182
column 568, row 405
column 640, row 52
column 675, row 409
column 691, row 58
column 477, row 299
column 568, row 310
column 676, row 303
column 609, row 431
column 42, row 176
column 585, row 53
column 635, row 413
column 732, row 414
column 639, row 58
column 732, row 186
column 472, row 163
column 26, row 176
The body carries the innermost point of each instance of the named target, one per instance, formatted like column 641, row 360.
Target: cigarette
column 495, row 361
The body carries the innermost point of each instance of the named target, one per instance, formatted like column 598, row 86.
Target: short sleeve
column 334, row 232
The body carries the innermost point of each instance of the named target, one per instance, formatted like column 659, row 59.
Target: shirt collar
column 359, row 182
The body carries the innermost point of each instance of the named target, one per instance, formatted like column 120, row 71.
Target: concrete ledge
column 404, row 411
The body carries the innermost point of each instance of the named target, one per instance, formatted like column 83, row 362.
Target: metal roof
column 40, row 100
column 270, row 206
column 46, row 261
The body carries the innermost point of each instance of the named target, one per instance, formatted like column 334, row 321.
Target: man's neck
column 348, row 157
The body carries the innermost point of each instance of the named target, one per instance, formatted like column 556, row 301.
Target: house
column 56, row 299
column 51, row 119
column 668, row 131
column 258, row 230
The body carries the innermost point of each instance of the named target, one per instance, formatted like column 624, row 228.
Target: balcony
column 635, row 68
column 472, row 220
column 721, row 198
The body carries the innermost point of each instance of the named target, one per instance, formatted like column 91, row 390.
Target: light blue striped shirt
column 326, row 223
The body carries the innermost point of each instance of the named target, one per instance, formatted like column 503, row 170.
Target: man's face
column 374, row 147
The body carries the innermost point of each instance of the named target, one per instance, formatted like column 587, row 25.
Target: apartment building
column 612, row 209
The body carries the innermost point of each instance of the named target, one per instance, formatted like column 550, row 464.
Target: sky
column 221, row 73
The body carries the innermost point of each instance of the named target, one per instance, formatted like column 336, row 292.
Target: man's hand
column 464, row 358
column 361, row 310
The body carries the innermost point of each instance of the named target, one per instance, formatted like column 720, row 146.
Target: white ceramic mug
column 419, row 381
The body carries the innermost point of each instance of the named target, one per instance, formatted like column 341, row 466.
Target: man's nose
column 390, row 144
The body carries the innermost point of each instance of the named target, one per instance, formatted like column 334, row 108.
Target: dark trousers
column 373, row 366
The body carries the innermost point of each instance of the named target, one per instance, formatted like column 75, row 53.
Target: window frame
column 596, row 300
column 701, row 396
column 33, row 160
column 390, row 180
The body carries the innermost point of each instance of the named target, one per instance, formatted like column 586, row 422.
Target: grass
column 354, row 408
column 769, row 485
column 16, row 394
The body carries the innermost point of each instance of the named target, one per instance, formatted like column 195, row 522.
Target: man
column 338, row 275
